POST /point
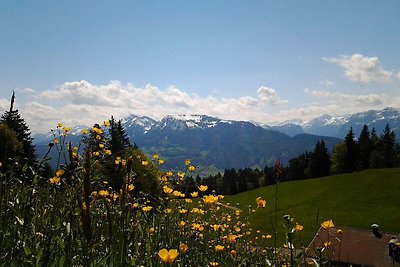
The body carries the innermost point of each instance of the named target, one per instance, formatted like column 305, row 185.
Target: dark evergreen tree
column 351, row 156
column 320, row 162
column 13, row 120
column 10, row 146
column 118, row 137
column 242, row 179
column 297, row 166
column 229, row 181
column 364, row 148
column 388, row 148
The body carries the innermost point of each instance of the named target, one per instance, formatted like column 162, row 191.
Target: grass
column 353, row 200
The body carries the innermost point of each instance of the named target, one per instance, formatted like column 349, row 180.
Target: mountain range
column 216, row 144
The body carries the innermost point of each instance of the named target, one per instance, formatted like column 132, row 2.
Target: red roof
column 355, row 246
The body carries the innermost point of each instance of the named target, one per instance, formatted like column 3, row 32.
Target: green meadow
column 356, row 200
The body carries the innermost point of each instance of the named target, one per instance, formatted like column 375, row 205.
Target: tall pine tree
column 388, row 148
column 13, row 120
column 364, row 148
column 119, row 139
column 351, row 156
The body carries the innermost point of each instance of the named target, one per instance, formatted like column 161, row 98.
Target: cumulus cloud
column 83, row 103
column 269, row 96
column 366, row 100
column 359, row 68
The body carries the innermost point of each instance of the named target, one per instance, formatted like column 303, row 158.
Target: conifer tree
column 364, row 148
column 13, row 120
column 388, row 148
column 119, row 139
column 320, row 162
column 351, row 156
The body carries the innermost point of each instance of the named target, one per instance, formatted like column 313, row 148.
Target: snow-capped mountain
column 217, row 144
column 338, row 126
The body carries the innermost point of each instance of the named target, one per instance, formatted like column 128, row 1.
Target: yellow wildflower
column 183, row 211
column 232, row 238
column 55, row 180
column 214, row 263
column 60, row 173
column 59, row 125
column 260, row 202
column 176, row 193
column 155, row 156
column 210, row 199
column 147, row 208
column 55, row 141
column 96, row 153
column 135, row 205
column 167, row 190
column 168, row 256
column 106, row 123
column 168, row 210
column 298, row 227
column 84, row 131
column 187, row 162
column 183, row 247
column 104, row 193
column 145, row 162
column 130, row 187
column 161, row 161
column 327, row 224
column 219, row 248
column 191, row 168
column 101, row 145
column 194, row 194
column 203, row 188
column 108, row 152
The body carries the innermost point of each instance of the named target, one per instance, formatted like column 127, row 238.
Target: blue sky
column 79, row 62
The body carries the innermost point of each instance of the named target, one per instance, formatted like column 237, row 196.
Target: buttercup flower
column 219, row 248
column 203, row 188
column 298, row 227
column 55, row 180
column 167, row 190
column 210, row 199
column 168, row 256
column 147, row 208
column 327, row 224
column 261, row 203
column 183, row 247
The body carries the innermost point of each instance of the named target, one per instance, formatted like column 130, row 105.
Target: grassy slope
column 352, row 200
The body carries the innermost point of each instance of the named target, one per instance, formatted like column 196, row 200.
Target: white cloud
column 398, row 75
column 28, row 91
column 367, row 100
column 4, row 104
column 269, row 96
column 359, row 68
column 81, row 102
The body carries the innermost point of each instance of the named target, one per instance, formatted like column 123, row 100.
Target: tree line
column 369, row 150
